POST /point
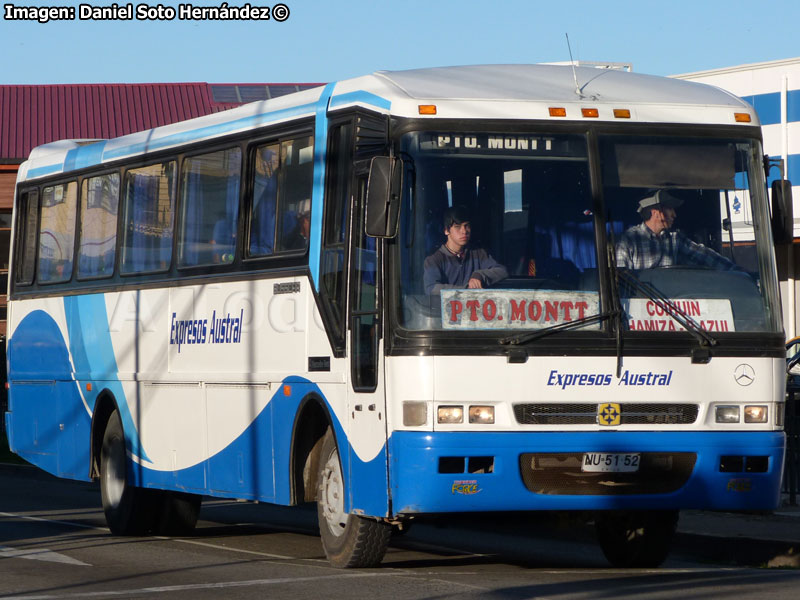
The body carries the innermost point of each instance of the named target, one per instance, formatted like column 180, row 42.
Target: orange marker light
column 427, row 109
column 88, row 387
column 557, row 111
column 742, row 117
column 590, row 112
column 622, row 113
column 287, row 390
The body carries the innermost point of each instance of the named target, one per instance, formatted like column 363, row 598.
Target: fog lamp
column 727, row 414
column 415, row 414
column 450, row 414
column 481, row 414
column 756, row 413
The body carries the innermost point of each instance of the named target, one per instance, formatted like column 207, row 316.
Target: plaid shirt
column 640, row 248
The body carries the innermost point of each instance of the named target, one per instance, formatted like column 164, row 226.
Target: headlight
column 481, row 414
column 727, row 414
column 415, row 414
column 756, row 413
column 450, row 414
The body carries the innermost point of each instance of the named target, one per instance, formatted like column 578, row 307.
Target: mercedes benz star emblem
column 744, row 374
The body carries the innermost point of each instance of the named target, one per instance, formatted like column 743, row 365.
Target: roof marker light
column 590, row 112
column 427, row 109
column 622, row 113
column 742, row 117
column 556, row 111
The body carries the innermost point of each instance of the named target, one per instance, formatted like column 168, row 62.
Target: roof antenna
column 574, row 73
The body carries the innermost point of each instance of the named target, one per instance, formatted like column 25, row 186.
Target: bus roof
column 463, row 92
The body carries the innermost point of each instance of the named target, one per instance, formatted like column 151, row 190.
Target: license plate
column 605, row 462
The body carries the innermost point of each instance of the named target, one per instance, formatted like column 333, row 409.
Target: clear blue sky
column 325, row 40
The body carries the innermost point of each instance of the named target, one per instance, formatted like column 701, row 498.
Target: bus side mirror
column 782, row 212
column 383, row 196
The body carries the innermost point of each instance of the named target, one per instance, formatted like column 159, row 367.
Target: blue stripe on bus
column 86, row 156
column 257, row 464
column 318, row 191
column 93, row 357
column 361, row 97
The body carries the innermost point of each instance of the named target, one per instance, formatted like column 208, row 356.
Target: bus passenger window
column 98, row 241
column 294, row 210
column 149, row 218
column 210, row 208
column 57, row 232
column 26, row 241
column 265, row 200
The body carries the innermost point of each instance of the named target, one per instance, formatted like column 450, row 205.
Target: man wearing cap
column 653, row 243
column 455, row 264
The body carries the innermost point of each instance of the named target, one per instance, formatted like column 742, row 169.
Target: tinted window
column 57, row 232
column 210, row 213
column 149, row 217
column 99, row 201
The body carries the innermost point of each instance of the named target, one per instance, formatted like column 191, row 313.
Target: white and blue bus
column 236, row 306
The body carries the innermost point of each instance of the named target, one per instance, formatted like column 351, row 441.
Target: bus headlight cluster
column 753, row 413
column 756, row 413
column 477, row 414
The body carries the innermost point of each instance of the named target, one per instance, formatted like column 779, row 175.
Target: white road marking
column 195, row 586
column 40, row 554
column 42, row 520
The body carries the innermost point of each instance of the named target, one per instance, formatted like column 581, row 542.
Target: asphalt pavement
column 766, row 539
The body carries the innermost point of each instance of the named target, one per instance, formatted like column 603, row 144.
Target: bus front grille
column 586, row 414
column 561, row 473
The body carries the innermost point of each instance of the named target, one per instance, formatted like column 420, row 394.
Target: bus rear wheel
column 638, row 538
column 349, row 540
column 129, row 510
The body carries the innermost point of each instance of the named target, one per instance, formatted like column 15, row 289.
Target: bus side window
column 265, row 200
column 333, row 275
column 209, row 208
column 149, row 218
column 25, row 254
column 296, row 183
column 57, row 232
column 98, row 223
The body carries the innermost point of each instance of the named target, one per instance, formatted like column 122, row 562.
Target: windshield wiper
column 705, row 339
column 524, row 338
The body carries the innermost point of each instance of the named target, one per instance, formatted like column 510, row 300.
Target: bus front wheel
column 636, row 539
column 349, row 540
column 129, row 510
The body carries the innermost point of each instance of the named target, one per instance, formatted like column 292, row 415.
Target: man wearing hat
column 653, row 243
column 455, row 264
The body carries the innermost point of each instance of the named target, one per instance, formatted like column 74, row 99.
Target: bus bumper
column 462, row 472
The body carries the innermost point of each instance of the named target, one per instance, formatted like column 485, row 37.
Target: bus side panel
column 49, row 421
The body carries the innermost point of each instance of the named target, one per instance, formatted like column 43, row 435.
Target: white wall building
column 773, row 88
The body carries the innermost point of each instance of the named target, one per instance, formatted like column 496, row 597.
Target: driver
column 653, row 243
column 455, row 264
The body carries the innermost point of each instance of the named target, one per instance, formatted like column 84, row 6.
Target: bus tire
column 636, row 538
column 179, row 512
column 129, row 510
column 349, row 540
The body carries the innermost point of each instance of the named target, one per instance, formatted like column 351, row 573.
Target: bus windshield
column 500, row 232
